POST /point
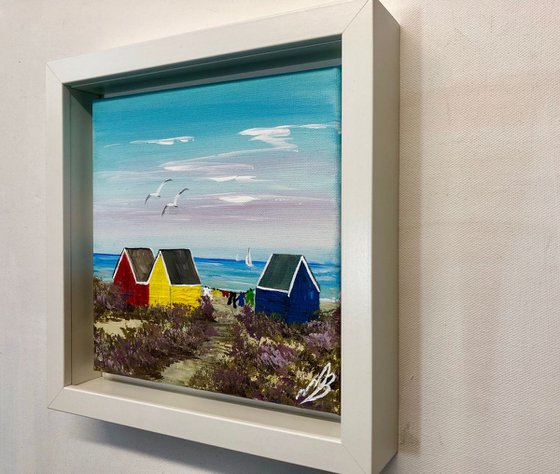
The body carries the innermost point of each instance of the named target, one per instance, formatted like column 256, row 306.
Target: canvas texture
column 217, row 237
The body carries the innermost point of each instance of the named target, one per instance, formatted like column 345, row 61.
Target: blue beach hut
column 287, row 288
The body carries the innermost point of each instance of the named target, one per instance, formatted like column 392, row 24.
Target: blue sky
column 261, row 159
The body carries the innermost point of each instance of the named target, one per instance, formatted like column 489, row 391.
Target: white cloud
column 279, row 137
column 195, row 163
column 239, row 179
column 238, row 199
column 315, row 126
column 164, row 141
column 195, row 166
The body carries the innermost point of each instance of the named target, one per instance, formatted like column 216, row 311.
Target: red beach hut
column 131, row 275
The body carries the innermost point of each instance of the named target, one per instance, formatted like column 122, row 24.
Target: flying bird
column 174, row 203
column 158, row 191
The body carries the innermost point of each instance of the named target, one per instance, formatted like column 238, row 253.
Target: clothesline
column 235, row 298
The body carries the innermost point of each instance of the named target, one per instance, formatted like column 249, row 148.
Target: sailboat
column 237, row 259
column 248, row 259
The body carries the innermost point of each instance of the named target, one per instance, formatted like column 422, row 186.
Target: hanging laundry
column 207, row 292
column 250, row 297
column 241, row 299
column 232, row 299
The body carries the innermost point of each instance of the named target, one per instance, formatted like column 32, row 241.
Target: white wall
column 480, row 184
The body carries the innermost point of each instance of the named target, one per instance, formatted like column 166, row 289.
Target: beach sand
column 115, row 327
column 328, row 305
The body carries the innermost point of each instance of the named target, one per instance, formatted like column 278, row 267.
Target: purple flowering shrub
column 259, row 356
column 167, row 334
column 108, row 300
column 109, row 303
column 271, row 361
column 260, row 325
column 175, row 313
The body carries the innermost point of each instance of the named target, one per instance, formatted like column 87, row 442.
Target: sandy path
column 114, row 328
column 179, row 373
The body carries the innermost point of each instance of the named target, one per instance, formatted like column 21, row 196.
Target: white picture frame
column 365, row 38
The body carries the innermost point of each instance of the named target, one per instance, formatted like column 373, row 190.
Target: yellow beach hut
column 174, row 279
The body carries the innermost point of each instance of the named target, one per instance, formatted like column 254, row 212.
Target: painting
column 217, row 237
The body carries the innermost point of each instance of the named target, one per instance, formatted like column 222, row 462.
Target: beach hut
column 131, row 274
column 287, row 288
column 174, row 279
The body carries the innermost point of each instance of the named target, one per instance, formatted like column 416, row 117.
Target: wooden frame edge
column 358, row 448
column 385, row 249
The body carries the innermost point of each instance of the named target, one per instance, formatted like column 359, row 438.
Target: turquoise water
column 231, row 274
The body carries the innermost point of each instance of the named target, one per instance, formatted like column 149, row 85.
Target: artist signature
column 319, row 387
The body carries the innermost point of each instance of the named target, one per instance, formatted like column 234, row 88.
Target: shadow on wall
column 410, row 218
column 194, row 456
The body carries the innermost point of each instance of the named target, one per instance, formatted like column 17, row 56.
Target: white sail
column 237, row 259
column 248, row 259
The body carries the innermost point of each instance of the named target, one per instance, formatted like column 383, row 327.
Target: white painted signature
column 319, row 386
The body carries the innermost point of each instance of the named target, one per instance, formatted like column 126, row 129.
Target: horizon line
column 229, row 259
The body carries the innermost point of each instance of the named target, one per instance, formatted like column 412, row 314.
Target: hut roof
column 141, row 261
column 180, row 266
column 280, row 271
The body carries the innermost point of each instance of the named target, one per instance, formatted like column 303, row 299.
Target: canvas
column 217, row 237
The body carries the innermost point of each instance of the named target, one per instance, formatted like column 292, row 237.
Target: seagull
column 158, row 191
column 174, row 203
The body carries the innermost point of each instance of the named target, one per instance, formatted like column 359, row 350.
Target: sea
column 232, row 275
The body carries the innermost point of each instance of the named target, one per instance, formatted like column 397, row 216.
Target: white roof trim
column 195, row 268
column 164, row 267
column 263, row 272
column 294, row 277
column 271, row 289
column 119, row 264
column 124, row 251
column 167, row 274
column 302, row 260
column 289, row 291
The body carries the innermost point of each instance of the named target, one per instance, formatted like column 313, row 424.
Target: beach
column 233, row 275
